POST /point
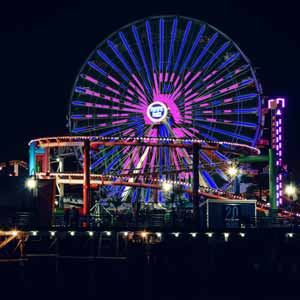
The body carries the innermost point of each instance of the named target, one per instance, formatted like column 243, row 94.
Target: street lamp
column 291, row 191
column 232, row 171
column 167, row 186
column 31, row 183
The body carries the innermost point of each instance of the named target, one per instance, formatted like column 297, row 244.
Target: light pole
column 234, row 174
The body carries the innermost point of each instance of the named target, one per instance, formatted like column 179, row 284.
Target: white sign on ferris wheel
column 157, row 111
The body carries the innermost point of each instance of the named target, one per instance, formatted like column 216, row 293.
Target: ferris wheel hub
column 157, row 111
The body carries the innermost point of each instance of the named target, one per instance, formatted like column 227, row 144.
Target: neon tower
column 276, row 152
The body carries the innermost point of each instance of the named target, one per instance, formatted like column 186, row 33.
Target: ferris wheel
column 166, row 77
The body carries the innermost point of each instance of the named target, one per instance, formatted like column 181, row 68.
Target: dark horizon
column 45, row 44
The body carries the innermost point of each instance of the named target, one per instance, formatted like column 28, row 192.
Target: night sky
column 44, row 44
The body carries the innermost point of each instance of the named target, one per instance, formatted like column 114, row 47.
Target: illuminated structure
column 276, row 152
column 166, row 77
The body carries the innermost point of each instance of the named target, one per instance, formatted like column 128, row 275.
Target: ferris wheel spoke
column 171, row 48
column 200, row 34
column 148, row 28
column 208, row 45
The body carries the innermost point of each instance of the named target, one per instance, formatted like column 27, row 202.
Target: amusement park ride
column 166, row 103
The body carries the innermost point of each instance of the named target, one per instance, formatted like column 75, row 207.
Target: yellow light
column 31, row 183
column 166, row 186
column 242, row 234
column 209, row 234
column 52, row 233
column 72, row 233
column 290, row 190
column 144, row 234
column 108, row 233
column 34, row 233
column 290, row 235
column 232, row 171
column 176, row 234
column 14, row 233
column 125, row 233
column 158, row 234
column 193, row 234
column 91, row 233
column 226, row 236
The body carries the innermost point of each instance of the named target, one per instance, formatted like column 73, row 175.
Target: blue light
column 78, row 103
column 95, row 67
column 113, row 66
column 193, row 48
column 187, row 30
column 116, row 51
column 229, row 60
column 246, row 110
column 141, row 51
column 161, row 44
column 134, row 196
column 173, row 35
column 211, row 183
column 204, row 50
column 248, row 96
column 227, row 133
column 102, row 158
column 112, row 164
column 246, row 124
column 220, row 155
column 150, row 44
column 129, row 51
column 147, row 195
column 216, row 54
column 205, row 157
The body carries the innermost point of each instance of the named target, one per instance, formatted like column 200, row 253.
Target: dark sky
column 44, row 44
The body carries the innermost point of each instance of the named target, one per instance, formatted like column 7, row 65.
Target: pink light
column 127, row 97
column 228, row 100
column 102, row 125
column 227, row 111
column 191, row 96
column 88, row 116
column 193, row 79
column 102, row 115
column 203, row 97
column 172, row 77
column 138, row 82
column 232, row 87
column 130, row 92
column 207, row 111
column 237, row 71
column 112, row 90
column 101, row 106
column 187, row 76
column 120, row 122
column 119, row 115
column 155, row 84
column 187, row 92
column 176, row 81
column 227, row 121
column 160, row 77
column 89, row 92
column 166, row 77
column 210, row 75
column 211, row 119
column 89, row 104
column 219, row 80
column 203, row 104
column 113, row 80
column 210, row 86
column 89, row 78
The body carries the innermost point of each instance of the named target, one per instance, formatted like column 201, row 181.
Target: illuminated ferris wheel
column 166, row 77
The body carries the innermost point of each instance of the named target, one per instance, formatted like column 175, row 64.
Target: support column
column 196, row 214
column 86, row 177
column 272, row 180
column 45, row 161
column 32, row 163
